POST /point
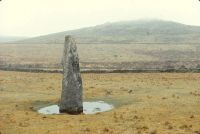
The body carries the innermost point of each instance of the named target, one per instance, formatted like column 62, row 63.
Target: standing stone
column 71, row 97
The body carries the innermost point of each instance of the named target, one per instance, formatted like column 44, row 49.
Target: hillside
column 141, row 31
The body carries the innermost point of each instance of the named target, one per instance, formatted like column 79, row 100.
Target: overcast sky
column 38, row 17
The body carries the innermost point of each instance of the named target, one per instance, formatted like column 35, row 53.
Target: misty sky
column 38, row 17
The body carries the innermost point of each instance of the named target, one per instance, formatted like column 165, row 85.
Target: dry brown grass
column 144, row 103
column 104, row 55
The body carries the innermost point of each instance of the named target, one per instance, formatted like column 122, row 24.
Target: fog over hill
column 4, row 39
column 140, row 31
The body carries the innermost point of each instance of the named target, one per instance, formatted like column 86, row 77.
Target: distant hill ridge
column 140, row 31
column 4, row 39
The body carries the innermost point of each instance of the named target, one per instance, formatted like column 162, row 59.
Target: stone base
column 73, row 111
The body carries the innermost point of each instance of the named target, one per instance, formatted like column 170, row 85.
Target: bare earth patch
column 150, row 103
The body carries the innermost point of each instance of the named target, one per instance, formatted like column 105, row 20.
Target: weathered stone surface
column 71, row 97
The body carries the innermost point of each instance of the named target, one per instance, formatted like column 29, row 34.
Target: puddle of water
column 88, row 108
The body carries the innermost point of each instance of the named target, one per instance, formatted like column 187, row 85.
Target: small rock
column 44, row 117
column 87, row 129
column 192, row 116
column 108, row 92
column 197, row 132
column 183, row 127
column 135, row 117
column 154, row 132
column 106, row 130
column 170, row 127
column 145, row 127
column 130, row 91
column 166, row 123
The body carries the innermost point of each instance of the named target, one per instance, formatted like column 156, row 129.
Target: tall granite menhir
column 71, row 97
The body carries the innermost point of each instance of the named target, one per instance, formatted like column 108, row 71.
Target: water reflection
column 88, row 108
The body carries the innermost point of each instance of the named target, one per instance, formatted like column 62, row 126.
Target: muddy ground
column 152, row 103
